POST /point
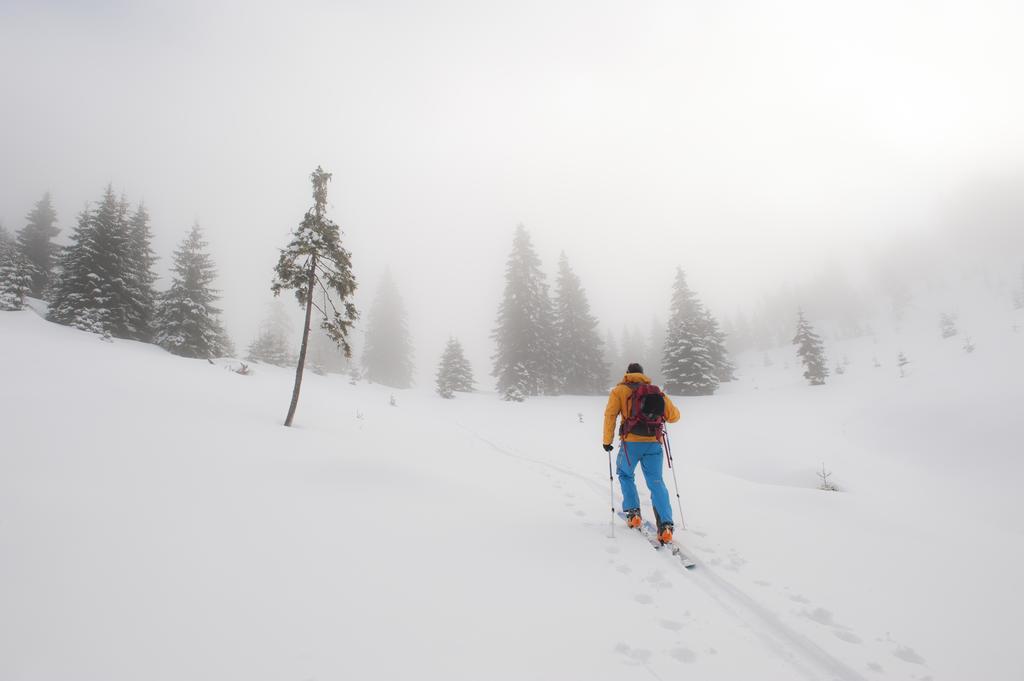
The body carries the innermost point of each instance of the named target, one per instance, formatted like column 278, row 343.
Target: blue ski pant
column 650, row 456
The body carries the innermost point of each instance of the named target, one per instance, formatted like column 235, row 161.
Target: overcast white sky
column 742, row 140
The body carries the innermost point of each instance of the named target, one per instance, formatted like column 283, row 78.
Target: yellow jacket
column 619, row 404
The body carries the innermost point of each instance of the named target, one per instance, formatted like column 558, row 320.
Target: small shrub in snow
column 968, row 345
column 826, row 484
column 947, row 323
column 393, row 402
column 902, row 361
column 877, row 363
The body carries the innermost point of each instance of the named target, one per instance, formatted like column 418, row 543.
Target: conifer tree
column 141, row 304
column 187, row 321
column 524, row 334
column 613, row 359
column 453, row 373
column 16, row 274
column 656, row 342
column 316, row 266
column 35, row 243
column 95, row 286
column 578, row 353
column 387, row 357
column 270, row 348
column 634, row 347
column 73, row 299
column 271, row 343
column 325, row 353
column 724, row 369
column 687, row 363
column 811, row 351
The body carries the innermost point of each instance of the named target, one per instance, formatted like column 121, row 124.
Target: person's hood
column 635, row 378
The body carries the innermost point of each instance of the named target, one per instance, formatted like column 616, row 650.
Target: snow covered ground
column 157, row 522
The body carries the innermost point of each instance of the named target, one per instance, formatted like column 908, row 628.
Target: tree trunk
column 305, row 342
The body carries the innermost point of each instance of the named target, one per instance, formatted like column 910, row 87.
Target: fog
column 754, row 144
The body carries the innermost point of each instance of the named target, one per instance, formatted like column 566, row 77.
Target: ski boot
column 665, row 532
column 633, row 519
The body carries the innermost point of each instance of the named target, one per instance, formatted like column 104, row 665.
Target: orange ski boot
column 665, row 533
column 633, row 519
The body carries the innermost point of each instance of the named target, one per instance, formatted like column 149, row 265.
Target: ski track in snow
column 806, row 657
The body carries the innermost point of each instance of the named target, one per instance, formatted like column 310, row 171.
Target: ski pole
column 611, row 496
column 679, row 503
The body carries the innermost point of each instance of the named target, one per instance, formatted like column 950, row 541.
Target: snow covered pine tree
column 524, row 335
column 187, row 322
column 35, row 243
column 688, row 362
column 141, row 302
column 810, row 351
column 315, row 259
column 579, row 355
column 454, row 373
column 99, row 281
column 387, row 357
column 16, row 275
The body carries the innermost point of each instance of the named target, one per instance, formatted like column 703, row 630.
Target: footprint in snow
column 624, row 569
column 848, row 636
column 581, row 513
column 799, row 599
column 908, row 654
column 671, row 625
column 819, row 615
column 613, row 549
column 875, row 667
column 643, row 599
column 657, row 580
column 761, row 582
column 683, row 655
column 636, row 654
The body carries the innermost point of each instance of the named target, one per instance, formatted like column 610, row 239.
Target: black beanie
column 634, row 368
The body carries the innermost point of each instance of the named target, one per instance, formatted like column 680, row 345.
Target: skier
column 639, row 437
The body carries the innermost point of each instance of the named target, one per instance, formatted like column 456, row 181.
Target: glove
column 608, row 448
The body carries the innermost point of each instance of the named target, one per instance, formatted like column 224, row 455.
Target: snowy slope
column 157, row 522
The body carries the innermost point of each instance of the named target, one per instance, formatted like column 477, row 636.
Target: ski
column 651, row 533
column 648, row 531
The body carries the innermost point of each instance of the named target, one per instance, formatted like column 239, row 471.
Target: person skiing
column 640, row 442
